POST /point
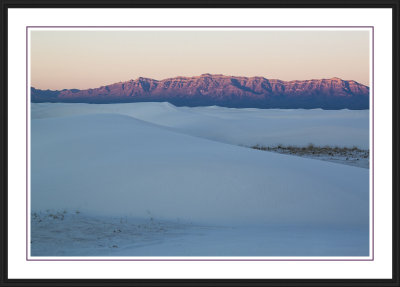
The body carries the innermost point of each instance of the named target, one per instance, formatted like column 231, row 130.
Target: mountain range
column 221, row 90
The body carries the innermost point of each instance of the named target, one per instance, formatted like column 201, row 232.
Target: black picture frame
column 4, row 220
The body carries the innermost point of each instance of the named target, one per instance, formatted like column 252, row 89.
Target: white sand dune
column 247, row 127
column 106, row 162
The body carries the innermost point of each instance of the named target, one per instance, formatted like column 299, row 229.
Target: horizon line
column 204, row 74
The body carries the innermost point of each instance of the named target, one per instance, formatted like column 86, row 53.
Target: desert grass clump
column 314, row 150
column 259, row 147
column 310, row 146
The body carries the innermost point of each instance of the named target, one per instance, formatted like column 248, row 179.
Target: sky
column 82, row 59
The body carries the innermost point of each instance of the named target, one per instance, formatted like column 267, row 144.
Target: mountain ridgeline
column 220, row 90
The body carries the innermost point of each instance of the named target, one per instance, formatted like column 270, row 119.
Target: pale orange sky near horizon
column 81, row 59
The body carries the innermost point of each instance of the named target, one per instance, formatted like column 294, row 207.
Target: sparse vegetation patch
column 346, row 155
column 81, row 234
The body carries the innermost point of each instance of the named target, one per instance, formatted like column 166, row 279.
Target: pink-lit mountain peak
column 218, row 89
